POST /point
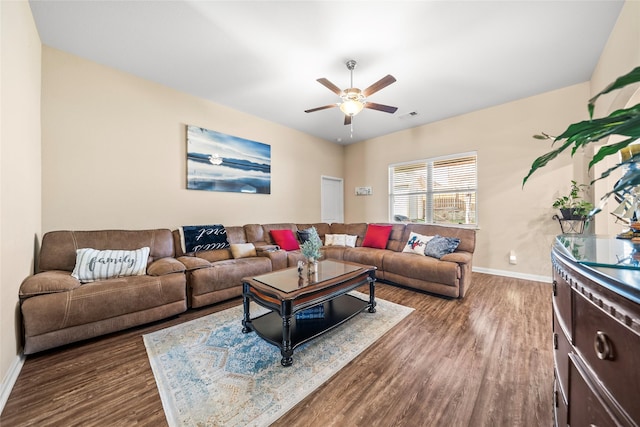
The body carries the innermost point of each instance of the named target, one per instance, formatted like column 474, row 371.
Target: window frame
column 429, row 192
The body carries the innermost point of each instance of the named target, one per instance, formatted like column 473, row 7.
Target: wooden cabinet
column 596, row 340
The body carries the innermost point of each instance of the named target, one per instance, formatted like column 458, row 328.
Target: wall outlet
column 513, row 259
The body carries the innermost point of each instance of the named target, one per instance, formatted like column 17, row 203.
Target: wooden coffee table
column 286, row 292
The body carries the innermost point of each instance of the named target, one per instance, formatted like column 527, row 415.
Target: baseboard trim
column 10, row 380
column 515, row 275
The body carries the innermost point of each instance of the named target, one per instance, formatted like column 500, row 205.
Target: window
column 442, row 190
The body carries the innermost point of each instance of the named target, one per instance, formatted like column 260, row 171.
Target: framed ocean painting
column 221, row 162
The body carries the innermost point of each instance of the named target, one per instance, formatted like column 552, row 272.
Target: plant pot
column 568, row 214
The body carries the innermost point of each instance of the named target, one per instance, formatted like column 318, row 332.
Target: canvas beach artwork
column 221, row 162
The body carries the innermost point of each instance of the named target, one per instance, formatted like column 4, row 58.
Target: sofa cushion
column 243, row 250
column 440, row 246
column 377, row 236
column 467, row 236
column 93, row 265
column 196, row 238
column 58, row 248
column 366, row 256
column 285, row 239
column 224, row 275
column 417, row 243
column 97, row 302
column 423, row 268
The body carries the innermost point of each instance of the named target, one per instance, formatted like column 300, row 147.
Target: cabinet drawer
column 586, row 408
column 610, row 349
column 562, row 299
column 561, row 349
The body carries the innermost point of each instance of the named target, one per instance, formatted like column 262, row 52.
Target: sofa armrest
column 461, row 257
column 267, row 248
column 163, row 266
column 278, row 257
column 48, row 282
column 193, row 262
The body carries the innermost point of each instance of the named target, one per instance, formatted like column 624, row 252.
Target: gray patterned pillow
column 303, row 235
column 440, row 246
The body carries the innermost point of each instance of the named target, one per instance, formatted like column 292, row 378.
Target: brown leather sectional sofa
column 57, row 309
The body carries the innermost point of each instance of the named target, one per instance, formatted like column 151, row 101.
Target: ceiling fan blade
column 324, row 107
column 381, row 107
column 347, row 119
column 380, row 84
column 333, row 88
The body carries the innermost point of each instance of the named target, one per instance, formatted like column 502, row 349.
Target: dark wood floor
column 485, row 360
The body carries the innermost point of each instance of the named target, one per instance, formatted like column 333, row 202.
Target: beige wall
column 620, row 55
column 19, row 169
column 510, row 217
column 114, row 155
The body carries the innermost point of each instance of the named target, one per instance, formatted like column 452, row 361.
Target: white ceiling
column 263, row 57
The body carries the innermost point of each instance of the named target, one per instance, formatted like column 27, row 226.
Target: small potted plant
column 573, row 206
column 311, row 249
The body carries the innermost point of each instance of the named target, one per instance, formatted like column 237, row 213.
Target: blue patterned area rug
column 209, row 373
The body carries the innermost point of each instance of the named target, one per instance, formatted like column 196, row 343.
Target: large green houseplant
column 624, row 122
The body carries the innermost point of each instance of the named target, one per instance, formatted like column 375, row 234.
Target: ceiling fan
column 354, row 99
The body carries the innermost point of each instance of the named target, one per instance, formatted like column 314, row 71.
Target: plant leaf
column 629, row 180
column 544, row 159
column 632, row 77
column 633, row 159
column 608, row 150
column 624, row 120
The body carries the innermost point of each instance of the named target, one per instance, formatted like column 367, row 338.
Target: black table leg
column 286, row 350
column 372, row 294
column 246, row 321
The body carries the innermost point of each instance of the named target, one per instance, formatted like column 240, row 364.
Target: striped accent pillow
column 92, row 264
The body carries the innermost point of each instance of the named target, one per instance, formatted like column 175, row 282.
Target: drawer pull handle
column 602, row 346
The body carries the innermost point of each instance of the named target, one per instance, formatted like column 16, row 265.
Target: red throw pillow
column 285, row 239
column 377, row 236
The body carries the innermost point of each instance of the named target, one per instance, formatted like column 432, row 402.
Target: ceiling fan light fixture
column 353, row 101
column 351, row 107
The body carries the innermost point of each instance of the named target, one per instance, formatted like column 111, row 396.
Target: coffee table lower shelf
column 269, row 326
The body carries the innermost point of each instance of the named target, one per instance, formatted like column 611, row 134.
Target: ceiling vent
column 408, row 115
